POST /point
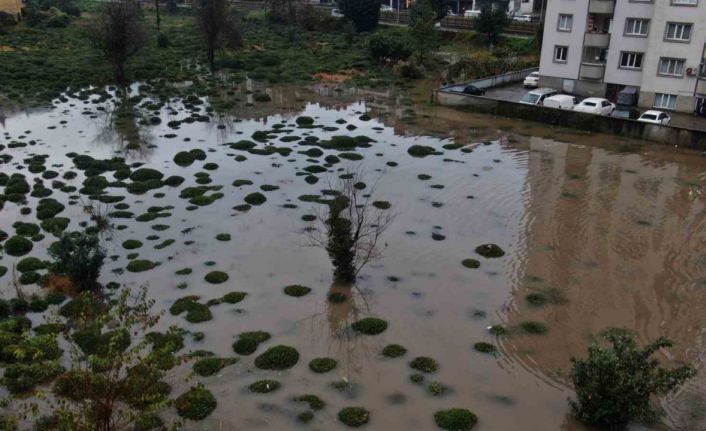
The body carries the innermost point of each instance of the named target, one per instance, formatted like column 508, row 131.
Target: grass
column 36, row 64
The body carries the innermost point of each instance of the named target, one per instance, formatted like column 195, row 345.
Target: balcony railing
column 601, row 6
column 601, row 40
column 593, row 72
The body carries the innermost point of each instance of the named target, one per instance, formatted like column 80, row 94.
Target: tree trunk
column 159, row 18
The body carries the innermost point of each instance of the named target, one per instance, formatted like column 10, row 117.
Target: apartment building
column 599, row 47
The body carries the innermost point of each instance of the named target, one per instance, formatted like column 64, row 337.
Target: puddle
column 612, row 239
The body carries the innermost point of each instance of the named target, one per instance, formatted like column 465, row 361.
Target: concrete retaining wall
column 689, row 138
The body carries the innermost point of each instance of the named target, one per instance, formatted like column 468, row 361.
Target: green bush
column 389, row 46
column 196, row 403
column 614, row 386
column 80, row 257
column 455, row 419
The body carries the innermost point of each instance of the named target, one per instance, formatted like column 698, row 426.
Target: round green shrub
column 455, row 419
column 245, row 346
column 216, row 277
column 255, row 198
column 322, row 365
column 18, row 246
column 140, row 265
column 471, row 263
column 354, row 416
column 490, row 251
column 223, row 237
column 484, row 347
column 209, row 366
column 196, row 403
column 535, row 328
column 264, row 386
column 30, row 264
column 184, row 158
column 131, row 244
column 370, row 326
column 296, row 290
column 277, row 358
column 424, row 364
column 393, row 351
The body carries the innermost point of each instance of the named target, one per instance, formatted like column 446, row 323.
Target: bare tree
column 351, row 229
column 217, row 26
column 119, row 33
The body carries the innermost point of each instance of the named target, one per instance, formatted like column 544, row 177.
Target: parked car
column 595, row 105
column 470, row 13
column 532, row 80
column 561, row 101
column 336, row 13
column 386, row 8
column 523, row 18
column 473, row 90
column 655, row 117
column 625, row 112
column 537, row 97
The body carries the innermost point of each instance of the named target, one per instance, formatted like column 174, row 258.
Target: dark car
column 473, row 90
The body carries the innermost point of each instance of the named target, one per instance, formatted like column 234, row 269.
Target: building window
column 630, row 60
column 666, row 101
column 678, row 32
column 565, row 22
column 636, row 27
column 561, row 53
column 671, row 66
column 685, row 2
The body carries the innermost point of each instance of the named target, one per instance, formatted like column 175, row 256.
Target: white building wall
column 574, row 39
column 692, row 51
column 620, row 42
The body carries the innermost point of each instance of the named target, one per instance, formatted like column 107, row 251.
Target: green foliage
column 322, row 365
column 365, row 14
column 424, row 364
column 17, row 246
column 389, row 46
column 354, row 416
column 423, row 18
column 614, row 385
column 491, row 24
column 296, row 290
column 277, row 358
column 210, row 366
column 370, row 326
column 393, row 351
column 196, row 403
column 455, row 419
column 264, row 386
column 80, row 257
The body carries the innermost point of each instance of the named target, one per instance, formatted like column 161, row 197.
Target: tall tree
column 422, row 32
column 159, row 17
column 365, row 14
column 217, row 26
column 119, row 34
column 491, row 23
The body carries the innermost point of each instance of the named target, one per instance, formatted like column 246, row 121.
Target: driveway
column 511, row 92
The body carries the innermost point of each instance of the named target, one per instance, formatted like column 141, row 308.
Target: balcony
column 601, row 6
column 592, row 72
column 701, row 86
column 601, row 40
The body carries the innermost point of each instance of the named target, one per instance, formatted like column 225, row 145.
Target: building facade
column 599, row 47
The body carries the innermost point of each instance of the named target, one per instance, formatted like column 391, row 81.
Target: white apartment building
column 599, row 47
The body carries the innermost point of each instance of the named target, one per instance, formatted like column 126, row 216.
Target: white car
column 536, row 97
column 471, row 13
column 522, row 18
column 532, row 80
column 386, row 8
column 336, row 13
column 655, row 117
column 595, row 105
column 560, row 101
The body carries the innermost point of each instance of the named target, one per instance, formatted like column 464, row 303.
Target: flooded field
column 597, row 233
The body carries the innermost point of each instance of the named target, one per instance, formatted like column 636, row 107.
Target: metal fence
column 493, row 81
column 402, row 17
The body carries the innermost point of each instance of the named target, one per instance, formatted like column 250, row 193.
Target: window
column 685, row 2
column 667, row 101
column 671, row 66
column 561, row 53
column 636, row 27
column 630, row 60
column 678, row 32
column 565, row 22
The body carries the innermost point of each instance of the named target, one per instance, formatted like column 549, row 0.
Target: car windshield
column 649, row 117
column 589, row 103
column 534, row 74
column 530, row 98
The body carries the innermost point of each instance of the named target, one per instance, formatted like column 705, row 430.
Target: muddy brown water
column 619, row 237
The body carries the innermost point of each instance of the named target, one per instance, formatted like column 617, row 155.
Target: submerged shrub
column 370, row 326
column 264, row 386
column 490, row 251
column 322, row 365
column 216, row 277
column 354, row 416
column 209, row 366
column 277, row 358
column 196, row 403
column 393, row 351
column 296, row 290
column 455, row 419
column 80, row 257
column 17, row 246
column 424, row 364
column 614, row 386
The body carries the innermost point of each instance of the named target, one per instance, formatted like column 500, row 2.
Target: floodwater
column 618, row 236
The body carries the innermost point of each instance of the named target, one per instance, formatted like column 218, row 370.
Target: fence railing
column 402, row 17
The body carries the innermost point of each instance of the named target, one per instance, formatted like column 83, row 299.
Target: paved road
column 511, row 92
